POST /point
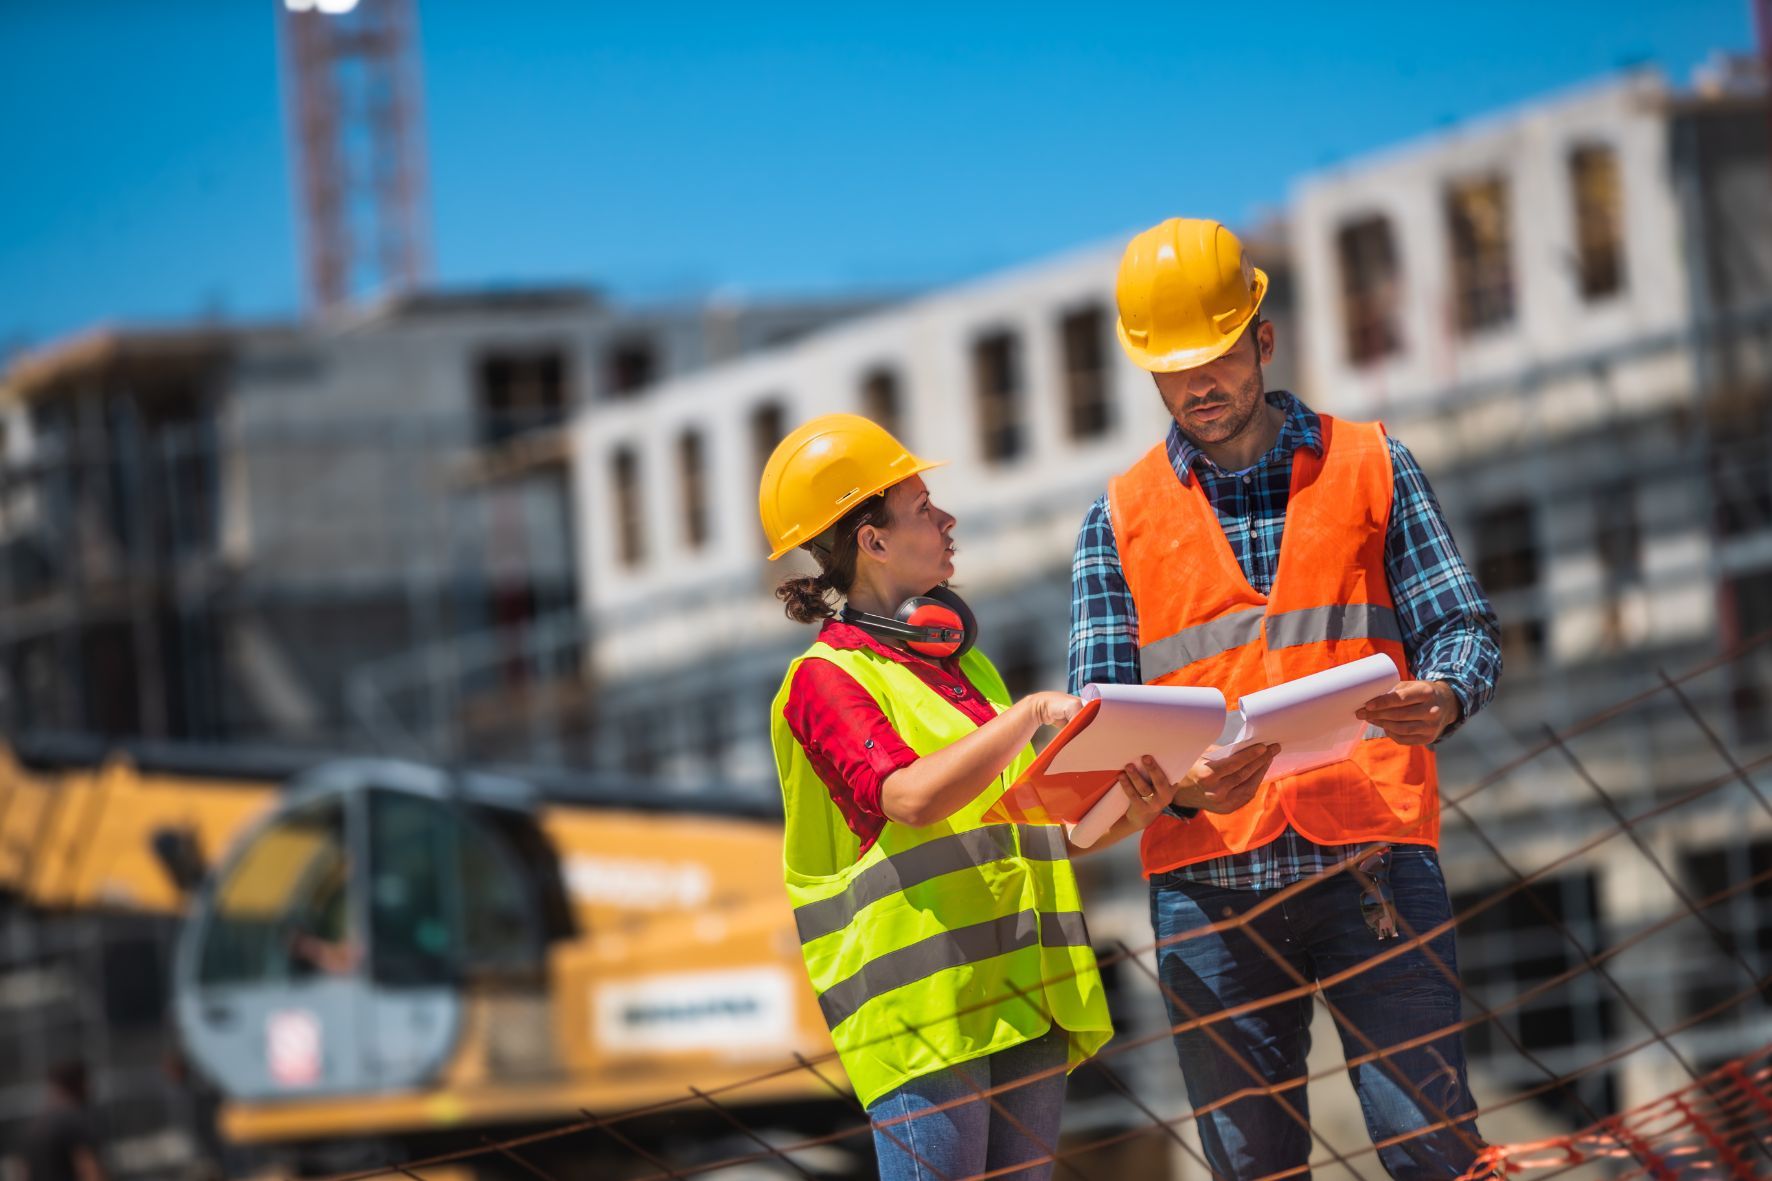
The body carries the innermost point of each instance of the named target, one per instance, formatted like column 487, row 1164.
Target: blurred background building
column 207, row 529
column 1566, row 311
column 516, row 526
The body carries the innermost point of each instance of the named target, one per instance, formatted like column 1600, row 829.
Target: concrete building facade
column 1564, row 310
column 1015, row 380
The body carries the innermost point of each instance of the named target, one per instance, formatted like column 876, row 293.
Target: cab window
column 447, row 896
column 283, row 908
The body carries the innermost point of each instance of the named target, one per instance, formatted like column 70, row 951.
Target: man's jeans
column 1318, row 932
column 976, row 1137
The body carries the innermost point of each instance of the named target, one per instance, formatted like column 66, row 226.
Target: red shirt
column 846, row 736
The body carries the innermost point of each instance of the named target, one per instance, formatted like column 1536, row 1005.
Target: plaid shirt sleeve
column 1450, row 632
column 1104, row 622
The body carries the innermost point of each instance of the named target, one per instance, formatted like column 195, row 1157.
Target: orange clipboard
column 1040, row 796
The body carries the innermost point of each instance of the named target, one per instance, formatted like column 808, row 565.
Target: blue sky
column 665, row 149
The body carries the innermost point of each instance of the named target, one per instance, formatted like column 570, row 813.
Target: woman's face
column 918, row 546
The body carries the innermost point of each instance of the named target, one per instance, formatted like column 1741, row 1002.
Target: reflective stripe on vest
column 1201, row 623
column 1308, row 625
column 950, row 949
column 914, row 866
column 942, row 943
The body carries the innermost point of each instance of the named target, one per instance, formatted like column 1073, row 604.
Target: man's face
column 1214, row 402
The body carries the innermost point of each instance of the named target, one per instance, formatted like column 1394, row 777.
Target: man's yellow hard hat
column 823, row 469
column 1186, row 291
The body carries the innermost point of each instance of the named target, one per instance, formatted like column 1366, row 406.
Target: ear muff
column 938, row 624
column 938, row 627
column 942, row 597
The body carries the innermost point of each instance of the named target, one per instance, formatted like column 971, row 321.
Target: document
column 1118, row 724
column 1072, row 782
column 1311, row 718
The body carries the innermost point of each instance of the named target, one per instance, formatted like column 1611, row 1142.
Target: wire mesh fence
column 1713, row 1119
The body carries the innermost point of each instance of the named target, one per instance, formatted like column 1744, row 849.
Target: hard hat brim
column 1178, row 359
column 800, row 539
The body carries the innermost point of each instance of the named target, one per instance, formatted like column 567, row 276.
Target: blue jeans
column 981, row 1135
column 1317, row 932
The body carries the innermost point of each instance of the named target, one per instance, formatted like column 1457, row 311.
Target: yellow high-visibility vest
column 943, row 943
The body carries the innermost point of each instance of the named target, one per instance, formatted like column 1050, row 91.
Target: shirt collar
column 1302, row 428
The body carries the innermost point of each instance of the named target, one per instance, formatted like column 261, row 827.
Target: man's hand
column 1415, row 713
column 1227, row 785
column 1148, row 791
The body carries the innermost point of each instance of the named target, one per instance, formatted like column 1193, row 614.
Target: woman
column 950, row 956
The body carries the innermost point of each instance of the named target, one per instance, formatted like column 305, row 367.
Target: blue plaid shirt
column 1450, row 632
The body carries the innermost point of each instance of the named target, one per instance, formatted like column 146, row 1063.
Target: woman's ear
column 871, row 540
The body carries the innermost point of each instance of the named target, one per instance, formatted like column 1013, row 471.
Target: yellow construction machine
column 416, row 958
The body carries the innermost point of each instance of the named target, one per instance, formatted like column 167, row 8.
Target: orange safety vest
column 1201, row 623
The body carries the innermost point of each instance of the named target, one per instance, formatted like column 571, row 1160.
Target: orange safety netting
column 1718, row 1126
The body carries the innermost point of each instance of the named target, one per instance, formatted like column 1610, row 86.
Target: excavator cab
column 335, row 950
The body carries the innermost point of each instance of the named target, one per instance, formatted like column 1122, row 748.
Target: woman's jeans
column 978, row 1135
column 1317, row 933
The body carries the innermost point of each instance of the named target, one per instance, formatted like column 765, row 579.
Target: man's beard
column 1230, row 428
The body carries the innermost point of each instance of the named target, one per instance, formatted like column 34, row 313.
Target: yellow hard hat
column 823, row 469
column 1186, row 291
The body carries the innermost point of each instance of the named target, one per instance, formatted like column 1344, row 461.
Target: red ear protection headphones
column 936, row 624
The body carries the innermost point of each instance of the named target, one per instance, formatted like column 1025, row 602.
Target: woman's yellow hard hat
column 1185, row 292
column 823, row 469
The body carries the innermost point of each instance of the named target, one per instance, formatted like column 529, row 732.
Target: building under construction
column 204, row 530
column 1566, row 312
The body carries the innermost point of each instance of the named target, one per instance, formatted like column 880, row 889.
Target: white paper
column 1098, row 819
column 1172, row 724
column 1312, row 718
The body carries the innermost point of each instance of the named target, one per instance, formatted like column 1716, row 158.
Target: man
column 59, row 1144
column 1259, row 543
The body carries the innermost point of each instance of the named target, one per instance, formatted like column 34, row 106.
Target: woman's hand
column 1148, row 791
column 1227, row 785
column 943, row 781
column 1052, row 708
